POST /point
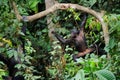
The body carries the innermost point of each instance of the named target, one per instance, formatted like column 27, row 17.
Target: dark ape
column 11, row 62
column 78, row 39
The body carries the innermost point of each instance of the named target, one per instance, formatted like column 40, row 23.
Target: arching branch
column 64, row 6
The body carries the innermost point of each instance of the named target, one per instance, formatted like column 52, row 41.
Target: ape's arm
column 80, row 54
column 88, row 50
column 84, row 19
column 61, row 39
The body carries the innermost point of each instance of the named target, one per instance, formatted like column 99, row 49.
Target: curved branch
column 64, row 6
column 75, row 6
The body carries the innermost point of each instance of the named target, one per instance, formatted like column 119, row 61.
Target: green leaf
column 52, row 71
column 33, row 5
column 105, row 75
column 15, row 55
column 79, row 76
column 112, row 43
column 2, row 72
column 45, row 30
column 92, row 2
column 98, row 26
column 101, row 77
column 10, row 53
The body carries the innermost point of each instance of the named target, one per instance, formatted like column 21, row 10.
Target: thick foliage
column 45, row 60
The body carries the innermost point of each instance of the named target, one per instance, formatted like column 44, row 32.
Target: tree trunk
column 48, row 4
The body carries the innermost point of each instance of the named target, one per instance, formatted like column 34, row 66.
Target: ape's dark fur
column 78, row 39
column 11, row 68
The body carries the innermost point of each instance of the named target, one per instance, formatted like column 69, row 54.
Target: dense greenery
column 43, row 59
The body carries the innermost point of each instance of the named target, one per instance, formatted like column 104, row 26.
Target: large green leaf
column 105, row 75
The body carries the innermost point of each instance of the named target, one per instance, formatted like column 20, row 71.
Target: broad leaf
column 105, row 75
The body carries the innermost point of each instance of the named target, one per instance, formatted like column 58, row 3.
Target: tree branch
column 64, row 6
column 19, row 17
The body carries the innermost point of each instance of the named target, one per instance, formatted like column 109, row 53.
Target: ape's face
column 74, row 33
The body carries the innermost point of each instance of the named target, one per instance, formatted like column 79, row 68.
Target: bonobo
column 11, row 62
column 78, row 39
